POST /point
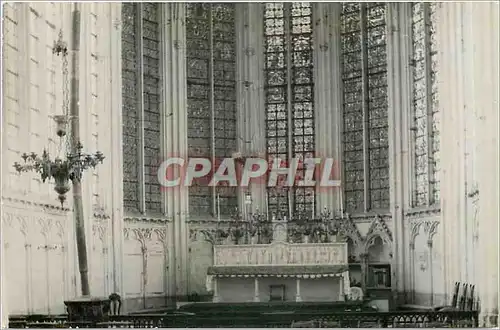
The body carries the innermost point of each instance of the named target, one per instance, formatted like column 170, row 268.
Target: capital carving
column 249, row 51
column 430, row 228
column 415, row 230
column 161, row 233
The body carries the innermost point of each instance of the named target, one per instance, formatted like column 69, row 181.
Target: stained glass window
column 365, row 132
column 289, row 96
column 425, row 106
column 131, row 192
column 211, row 90
column 141, row 106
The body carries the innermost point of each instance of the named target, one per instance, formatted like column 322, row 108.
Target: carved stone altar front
column 280, row 254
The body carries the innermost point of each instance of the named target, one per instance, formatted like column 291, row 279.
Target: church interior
column 402, row 96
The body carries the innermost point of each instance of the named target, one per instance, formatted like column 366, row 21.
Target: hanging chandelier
column 68, row 169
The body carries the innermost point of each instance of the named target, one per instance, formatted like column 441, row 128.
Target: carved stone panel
column 281, row 254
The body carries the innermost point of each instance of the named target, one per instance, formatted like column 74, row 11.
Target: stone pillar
column 3, row 278
column 298, row 297
column 116, row 156
column 341, row 288
column 485, row 40
column 216, row 297
column 450, row 85
column 398, row 56
column 328, row 95
column 174, row 121
column 468, row 82
column 256, row 295
column 346, row 292
column 251, row 128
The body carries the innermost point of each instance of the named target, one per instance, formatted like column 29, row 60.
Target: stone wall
column 38, row 237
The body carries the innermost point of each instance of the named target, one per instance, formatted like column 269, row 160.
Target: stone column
column 451, row 83
column 341, row 288
column 5, row 310
column 216, row 297
column 467, row 37
column 398, row 56
column 328, row 95
column 174, row 123
column 485, row 43
column 256, row 295
column 298, row 297
column 251, row 127
column 116, row 156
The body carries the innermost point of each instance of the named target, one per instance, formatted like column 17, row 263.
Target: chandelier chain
column 61, row 48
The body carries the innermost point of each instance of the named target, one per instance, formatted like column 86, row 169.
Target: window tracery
column 141, row 107
column 211, row 97
column 365, row 133
column 425, row 107
column 289, row 94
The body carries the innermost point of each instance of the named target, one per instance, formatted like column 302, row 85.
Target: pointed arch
column 380, row 229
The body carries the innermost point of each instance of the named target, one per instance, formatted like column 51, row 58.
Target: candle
column 267, row 205
column 313, row 213
column 218, row 207
column 341, row 191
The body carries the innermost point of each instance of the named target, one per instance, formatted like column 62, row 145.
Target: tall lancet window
column 211, row 96
column 141, row 107
column 289, row 96
column 425, row 106
column 365, row 133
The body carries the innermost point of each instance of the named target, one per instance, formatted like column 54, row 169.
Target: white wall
column 38, row 235
column 147, row 265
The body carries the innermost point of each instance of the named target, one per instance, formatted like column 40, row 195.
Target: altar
column 279, row 271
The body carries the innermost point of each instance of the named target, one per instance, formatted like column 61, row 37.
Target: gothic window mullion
column 365, row 120
column 276, row 97
column 289, row 93
column 428, row 103
column 151, row 113
column 211, row 85
column 140, row 106
column 213, row 189
column 365, row 106
column 289, row 99
column 425, row 111
column 301, row 100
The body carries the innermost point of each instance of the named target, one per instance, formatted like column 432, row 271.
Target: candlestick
column 218, row 207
